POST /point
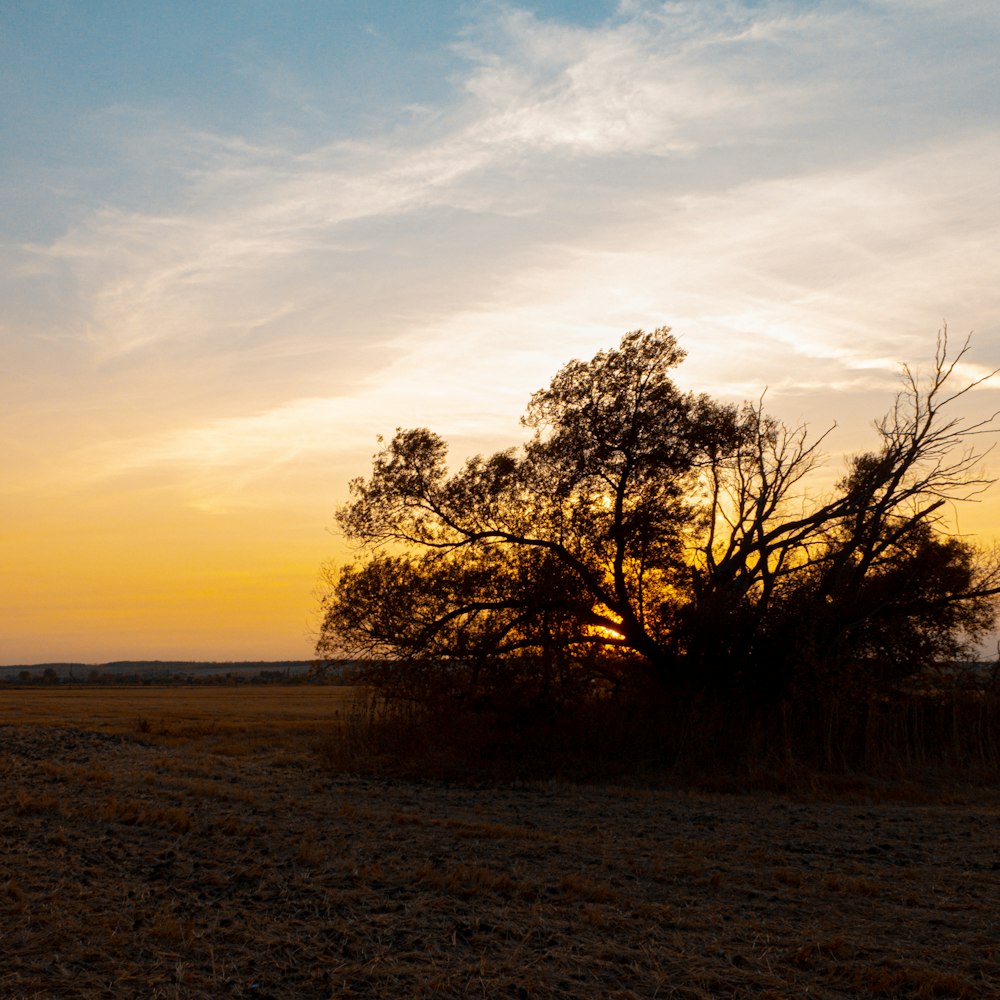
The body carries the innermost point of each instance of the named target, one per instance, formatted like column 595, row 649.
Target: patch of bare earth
column 131, row 867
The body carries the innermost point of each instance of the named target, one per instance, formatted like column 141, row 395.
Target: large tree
column 645, row 531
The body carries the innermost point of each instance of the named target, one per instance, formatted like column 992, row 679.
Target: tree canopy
column 646, row 532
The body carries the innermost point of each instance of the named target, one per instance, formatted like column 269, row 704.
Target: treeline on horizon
column 131, row 672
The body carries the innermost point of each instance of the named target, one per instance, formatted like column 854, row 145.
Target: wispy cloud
column 257, row 229
column 225, row 320
column 278, row 254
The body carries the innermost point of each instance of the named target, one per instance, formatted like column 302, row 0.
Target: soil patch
column 132, row 865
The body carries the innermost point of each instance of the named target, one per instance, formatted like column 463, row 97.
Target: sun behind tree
column 647, row 538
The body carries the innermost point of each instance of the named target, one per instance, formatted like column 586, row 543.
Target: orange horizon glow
column 238, row 246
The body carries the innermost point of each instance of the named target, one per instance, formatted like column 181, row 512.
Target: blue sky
column 239, row 240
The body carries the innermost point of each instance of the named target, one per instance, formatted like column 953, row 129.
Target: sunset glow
column 240, row 241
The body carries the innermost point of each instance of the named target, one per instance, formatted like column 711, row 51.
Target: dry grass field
column 261, row 710
column 193, row 842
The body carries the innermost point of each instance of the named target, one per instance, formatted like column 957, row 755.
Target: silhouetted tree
column 866, row 581
column 644, row 531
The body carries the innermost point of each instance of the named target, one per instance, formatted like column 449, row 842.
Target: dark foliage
column 650, row 540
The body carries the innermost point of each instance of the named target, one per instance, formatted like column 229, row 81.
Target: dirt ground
column 153, row 863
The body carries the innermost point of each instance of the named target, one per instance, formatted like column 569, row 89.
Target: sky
column 240, row 240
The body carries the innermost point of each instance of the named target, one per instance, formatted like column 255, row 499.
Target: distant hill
column 150, row 669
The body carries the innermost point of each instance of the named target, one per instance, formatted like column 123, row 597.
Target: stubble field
column 193, row 842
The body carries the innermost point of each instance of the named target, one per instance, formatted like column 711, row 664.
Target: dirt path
column 132, row 869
